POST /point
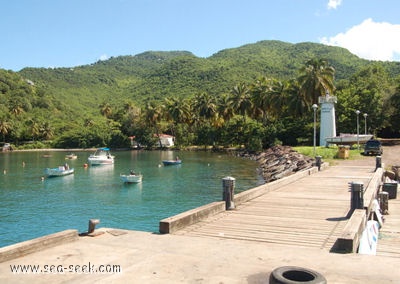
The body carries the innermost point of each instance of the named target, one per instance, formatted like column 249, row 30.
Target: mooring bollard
column 396, row 172
column 357, row 195
column 384, row 202
column 378, row 163
column 228, row 186
column 92, row 225
column 318, row 162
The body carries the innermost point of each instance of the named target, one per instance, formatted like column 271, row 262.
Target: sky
column 69, row 33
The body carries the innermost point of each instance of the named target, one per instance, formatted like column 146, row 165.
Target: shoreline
column 58, row 150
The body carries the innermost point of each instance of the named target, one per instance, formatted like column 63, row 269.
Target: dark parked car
column 373, row 147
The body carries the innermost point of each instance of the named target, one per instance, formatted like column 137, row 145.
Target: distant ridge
column 159, row 74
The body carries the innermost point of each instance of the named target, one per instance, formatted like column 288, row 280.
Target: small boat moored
column 58, row 172
column 71, row 157
column 102, row 156
column 177, row 161
column 349, row 139
column 132, row 177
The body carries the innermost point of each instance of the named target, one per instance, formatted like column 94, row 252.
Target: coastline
column 59, row 150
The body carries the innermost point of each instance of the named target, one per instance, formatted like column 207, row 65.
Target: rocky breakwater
column 280, row 161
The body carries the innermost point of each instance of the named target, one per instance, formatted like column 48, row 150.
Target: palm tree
column 5, row 128
column 177, row 110
column 241, row 100
column 205, row 105
column 34, row 128
column 153, row 115
column 106, row 110
column 316, row 80
column 296, row 102
column 46, row 131
column 17, row 109
column 132, row 109
column 206, row 111
column 267, row 97
column 224, row 107
column 88, row 122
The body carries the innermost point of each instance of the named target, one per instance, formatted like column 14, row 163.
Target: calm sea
column 31, row 207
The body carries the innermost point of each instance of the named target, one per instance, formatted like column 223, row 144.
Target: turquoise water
column 31, row 207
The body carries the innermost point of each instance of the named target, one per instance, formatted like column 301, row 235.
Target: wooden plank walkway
column 311, row 212
column 389, row 234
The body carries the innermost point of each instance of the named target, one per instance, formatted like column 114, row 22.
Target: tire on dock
column 294, row 274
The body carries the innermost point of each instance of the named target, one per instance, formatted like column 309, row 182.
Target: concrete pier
column 294, row 222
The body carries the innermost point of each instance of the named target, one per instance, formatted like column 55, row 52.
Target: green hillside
column 70, row 98
column 155, row 75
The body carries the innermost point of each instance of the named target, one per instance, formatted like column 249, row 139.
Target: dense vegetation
column 256, row 95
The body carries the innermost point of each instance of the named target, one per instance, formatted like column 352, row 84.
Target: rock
column 280, row 161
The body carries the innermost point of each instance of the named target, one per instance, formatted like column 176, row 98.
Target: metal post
column 358, row 129
column 92, row 225
column 318, row 162
column 314, row 106
column 365, row 123
column 384, row 202
column 228, row 185
column 396, row 172
column 357, row 195
column 378, row 162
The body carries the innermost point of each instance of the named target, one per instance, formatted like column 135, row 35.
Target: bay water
column 31, row 206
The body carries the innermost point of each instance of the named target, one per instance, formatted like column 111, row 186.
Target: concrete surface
column 151, row 258
column 142, row 257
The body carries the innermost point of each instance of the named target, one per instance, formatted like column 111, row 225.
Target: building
column 166, row 140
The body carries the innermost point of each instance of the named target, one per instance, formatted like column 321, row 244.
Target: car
column 373, row 147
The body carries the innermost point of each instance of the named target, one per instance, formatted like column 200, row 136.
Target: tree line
column 257, row 114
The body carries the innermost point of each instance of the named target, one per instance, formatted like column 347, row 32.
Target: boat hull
column 131, row 178
column 71, row 157
column 102, row 156
column 58, row 172
column 95, row 161
column 171, row 162
column 349, row 139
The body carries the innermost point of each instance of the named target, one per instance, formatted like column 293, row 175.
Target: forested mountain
column 156, row 75
column 161, row 74
column 70, row 97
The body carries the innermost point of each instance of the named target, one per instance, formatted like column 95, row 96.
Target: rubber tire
column 294, row 275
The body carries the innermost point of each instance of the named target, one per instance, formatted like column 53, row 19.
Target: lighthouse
column 328, row 121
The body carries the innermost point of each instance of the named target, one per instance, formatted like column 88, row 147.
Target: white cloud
column 333, row 4
column 103, row 57
column 370, row 40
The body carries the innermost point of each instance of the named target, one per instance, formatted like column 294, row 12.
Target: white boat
column 102, row 156
column 58, row 172
column 71, row 157
column 349, row 139
column 131, row 178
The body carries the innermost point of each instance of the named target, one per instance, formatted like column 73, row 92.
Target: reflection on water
column 59, row 182
column 31, row 207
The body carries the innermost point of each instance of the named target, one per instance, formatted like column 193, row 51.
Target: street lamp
column 358, row 130
column 314, row 106
column 365, row 123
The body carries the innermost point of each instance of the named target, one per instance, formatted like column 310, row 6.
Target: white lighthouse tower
column 328, row 122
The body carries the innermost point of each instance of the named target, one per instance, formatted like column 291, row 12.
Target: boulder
column 280, row 161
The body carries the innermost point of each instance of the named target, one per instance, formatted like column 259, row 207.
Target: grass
column 327, row 153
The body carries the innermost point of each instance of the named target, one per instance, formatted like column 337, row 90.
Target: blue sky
column 68, row 33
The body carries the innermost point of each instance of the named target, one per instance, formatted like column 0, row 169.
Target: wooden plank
column 389, row 234
column 310, row 212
